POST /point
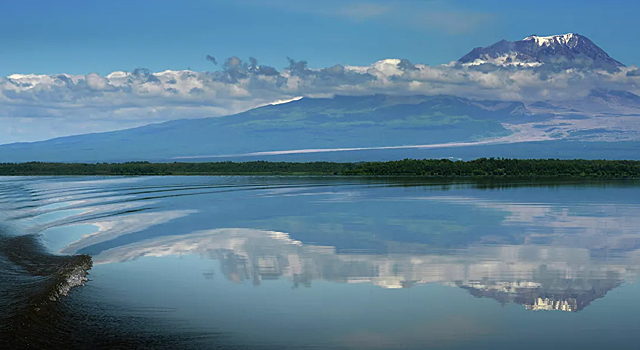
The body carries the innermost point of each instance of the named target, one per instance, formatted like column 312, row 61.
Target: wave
column 33, row 283
column 35, row 314
column 41, row 306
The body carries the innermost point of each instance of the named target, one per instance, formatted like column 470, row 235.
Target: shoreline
column 482, row 168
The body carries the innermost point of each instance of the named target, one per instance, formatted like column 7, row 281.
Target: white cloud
column 36, row 107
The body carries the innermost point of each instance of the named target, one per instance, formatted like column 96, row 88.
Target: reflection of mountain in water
column 564, row 295
column 548, row 248
column 538, row 277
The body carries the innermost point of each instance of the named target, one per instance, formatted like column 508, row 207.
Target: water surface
column 318, row 263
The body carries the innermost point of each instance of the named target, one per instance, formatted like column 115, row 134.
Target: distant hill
column 615, row 97
column 367, row 121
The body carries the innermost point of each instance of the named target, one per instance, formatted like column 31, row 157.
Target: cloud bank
column 35, row 107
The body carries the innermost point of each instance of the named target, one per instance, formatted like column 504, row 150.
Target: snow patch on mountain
column 569, row 40
column 507, row 60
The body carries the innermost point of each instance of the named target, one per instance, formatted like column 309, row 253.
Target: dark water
column 317, row 263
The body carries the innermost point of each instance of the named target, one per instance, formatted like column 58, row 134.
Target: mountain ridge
column 344, row 123
column 347, row 121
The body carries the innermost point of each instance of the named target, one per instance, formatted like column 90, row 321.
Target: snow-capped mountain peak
column 569, row 39
column 564, row 51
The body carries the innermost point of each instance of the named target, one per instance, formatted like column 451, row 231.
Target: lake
column 318, row 263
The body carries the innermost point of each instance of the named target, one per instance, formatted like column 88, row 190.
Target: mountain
column 563, row 51
column 598, row 103
column 615, row 98
column 309, row 123
column 603, row 124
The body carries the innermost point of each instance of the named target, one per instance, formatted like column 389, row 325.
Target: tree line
column 482, row 167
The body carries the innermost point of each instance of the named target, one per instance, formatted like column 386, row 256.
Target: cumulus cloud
column 634, row 73
column 66, row 104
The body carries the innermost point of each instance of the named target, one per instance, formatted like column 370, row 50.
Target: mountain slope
column 564, row 51
column 615, row 97
column 368, row 121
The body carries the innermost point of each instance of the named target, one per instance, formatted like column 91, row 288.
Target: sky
column 81, row 37
column 66, row 50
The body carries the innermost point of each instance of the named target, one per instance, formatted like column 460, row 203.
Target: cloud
column 634, row 73
column 34, row 107
column 212, row 59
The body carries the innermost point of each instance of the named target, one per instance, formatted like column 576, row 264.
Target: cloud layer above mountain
column 36, row 107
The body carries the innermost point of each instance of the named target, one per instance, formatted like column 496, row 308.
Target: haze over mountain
column 540, row 90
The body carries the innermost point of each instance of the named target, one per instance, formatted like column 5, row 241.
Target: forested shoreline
column 483, row 167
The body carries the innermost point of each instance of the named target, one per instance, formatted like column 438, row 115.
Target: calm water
column 317, row 263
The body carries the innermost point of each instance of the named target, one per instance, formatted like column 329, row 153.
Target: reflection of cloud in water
column 66, row 216
column 344, row 197
column 84, row 199
column 98, row 183
column 121, row 225
column 202, row 242
column 536, row 276
column 325, row 196
column 591, row 226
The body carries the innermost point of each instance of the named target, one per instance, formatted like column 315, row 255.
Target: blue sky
column 80, row 36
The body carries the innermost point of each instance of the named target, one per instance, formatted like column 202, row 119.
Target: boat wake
column 33, row 283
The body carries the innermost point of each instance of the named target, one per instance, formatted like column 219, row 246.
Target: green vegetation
column 483, row 167
column 500, row 167
column 146, row 168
